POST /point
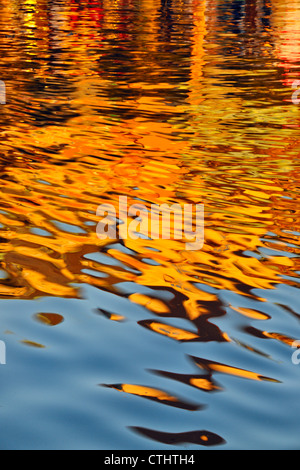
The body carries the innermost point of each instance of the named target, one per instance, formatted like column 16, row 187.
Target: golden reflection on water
column 154, row 394
column 162, row 105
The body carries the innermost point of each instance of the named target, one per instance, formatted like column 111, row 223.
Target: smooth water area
column 142, row 344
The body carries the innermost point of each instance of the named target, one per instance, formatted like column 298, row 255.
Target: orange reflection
column 153, row 394
column 33, row 344
column 50, row 319
column 170, row 331
column 225, row 369
column 125, row 99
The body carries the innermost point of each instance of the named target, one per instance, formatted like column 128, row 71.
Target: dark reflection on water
column 202, row 438
column 162, row 101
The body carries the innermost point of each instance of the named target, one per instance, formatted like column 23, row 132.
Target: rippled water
column 140, row 344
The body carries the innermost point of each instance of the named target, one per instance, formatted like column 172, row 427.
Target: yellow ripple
column 155, row 305
column 247, row 312
column 170, row 331
column 204, row 384
column 39, row 282
column 33, row 344
column 147, row 392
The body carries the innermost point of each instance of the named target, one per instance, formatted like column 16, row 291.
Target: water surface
column 141, row 344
